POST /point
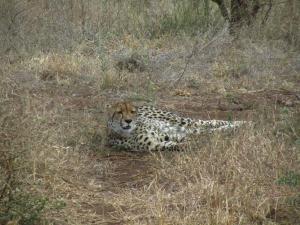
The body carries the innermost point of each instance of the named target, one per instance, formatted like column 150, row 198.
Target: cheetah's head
column 122, row 117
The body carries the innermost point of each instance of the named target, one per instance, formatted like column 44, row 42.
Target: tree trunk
column 241, row 13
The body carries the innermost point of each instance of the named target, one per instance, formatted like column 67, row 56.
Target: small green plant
column 285, row 111
column 25, row 208
column 229, row 116
column 291, row 179
column 230, row 97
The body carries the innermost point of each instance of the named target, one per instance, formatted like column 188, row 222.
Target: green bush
column 25, row 208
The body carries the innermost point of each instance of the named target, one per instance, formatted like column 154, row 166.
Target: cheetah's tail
column 219, row 125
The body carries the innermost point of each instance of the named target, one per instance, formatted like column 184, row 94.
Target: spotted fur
column 148, row 128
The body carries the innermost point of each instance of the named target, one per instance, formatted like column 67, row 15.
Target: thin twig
column 267, row 13
column 277, row 3
column 187, row 61
column 188, row 58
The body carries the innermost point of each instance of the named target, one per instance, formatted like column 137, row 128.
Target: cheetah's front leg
column 119, row 143
column 154, row 141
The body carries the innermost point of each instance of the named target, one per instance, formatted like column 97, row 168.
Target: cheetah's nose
column 128, row 121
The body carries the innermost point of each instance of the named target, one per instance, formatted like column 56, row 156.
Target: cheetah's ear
column 111, row 106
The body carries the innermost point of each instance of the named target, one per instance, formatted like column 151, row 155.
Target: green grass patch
column 291, row 178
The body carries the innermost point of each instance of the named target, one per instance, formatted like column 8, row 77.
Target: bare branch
column 196, row 50
column 267, row 13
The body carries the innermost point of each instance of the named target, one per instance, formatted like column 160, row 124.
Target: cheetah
column 147, row 128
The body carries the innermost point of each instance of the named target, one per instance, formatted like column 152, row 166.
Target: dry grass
column 56, row 169
column 220, row 179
